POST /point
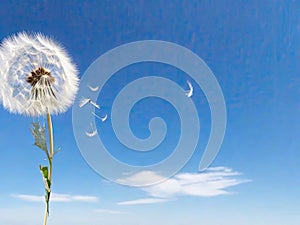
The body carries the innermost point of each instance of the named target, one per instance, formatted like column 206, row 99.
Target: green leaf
column 39, row 134
column 45, row 174
column 44, row 171
column 47, row 184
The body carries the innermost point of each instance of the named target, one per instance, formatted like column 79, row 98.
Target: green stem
column 50, row 156
column 50, row 131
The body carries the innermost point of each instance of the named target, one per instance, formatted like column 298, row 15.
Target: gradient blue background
column 253, row 48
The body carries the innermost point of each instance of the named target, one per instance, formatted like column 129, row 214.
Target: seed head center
column 35, row 75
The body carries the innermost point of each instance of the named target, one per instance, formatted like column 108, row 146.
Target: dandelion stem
column 45, row 215
column 50, row 131
column 50, row 157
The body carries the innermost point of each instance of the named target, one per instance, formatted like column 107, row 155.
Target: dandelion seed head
column 37, row 75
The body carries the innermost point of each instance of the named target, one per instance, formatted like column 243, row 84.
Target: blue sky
column 252, row 47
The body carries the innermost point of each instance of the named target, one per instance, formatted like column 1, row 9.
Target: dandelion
column 37, row 75
column 38, row 78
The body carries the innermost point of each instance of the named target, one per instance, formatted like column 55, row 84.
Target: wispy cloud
column 141, row 178
column 213, row 182
column 57, row 198
column 84, row 198
column 109, row 211
column 143, row 201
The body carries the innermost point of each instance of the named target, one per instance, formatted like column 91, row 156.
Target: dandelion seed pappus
column 37, row 75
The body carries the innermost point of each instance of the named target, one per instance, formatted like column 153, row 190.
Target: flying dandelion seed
column 94, row 88
column 101, row 118
column 84, row 101
column 189, row 92
column 38, row 77
column 92, row 133
column 94, row 104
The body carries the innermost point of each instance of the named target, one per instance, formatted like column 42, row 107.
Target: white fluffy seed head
column 26, row 56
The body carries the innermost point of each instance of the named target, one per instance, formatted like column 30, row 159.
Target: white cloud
column 213, row 182
column 84, row 198
column 57, row 198
column 30, row 198
column 143, row 201
column 141, row 178
column 108, row 211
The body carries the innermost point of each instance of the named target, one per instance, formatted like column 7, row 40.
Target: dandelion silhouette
column 38, row 78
